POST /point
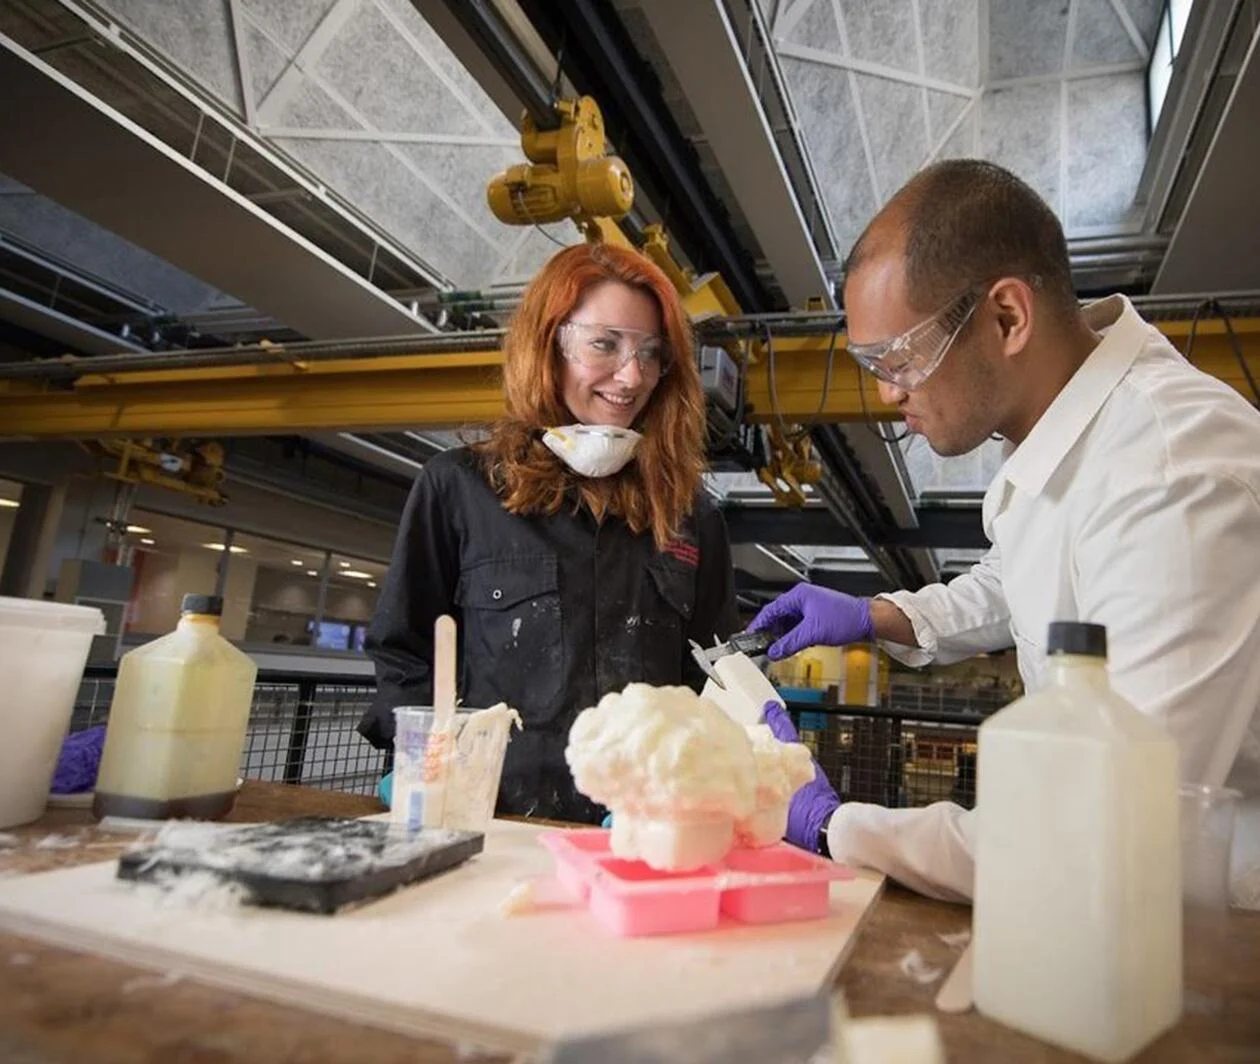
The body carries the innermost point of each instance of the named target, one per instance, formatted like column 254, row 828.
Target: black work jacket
column 553, row 613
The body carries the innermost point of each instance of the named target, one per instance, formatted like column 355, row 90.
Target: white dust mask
column 592, row 450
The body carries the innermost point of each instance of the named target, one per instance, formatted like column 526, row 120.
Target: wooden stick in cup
column 442, row 738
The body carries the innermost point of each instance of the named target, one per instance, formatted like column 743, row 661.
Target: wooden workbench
column 57, row 1006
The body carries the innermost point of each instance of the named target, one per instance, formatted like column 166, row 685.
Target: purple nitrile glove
column 78, row 762
column 811, row 616
column 811, row 807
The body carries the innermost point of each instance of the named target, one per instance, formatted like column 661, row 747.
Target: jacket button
column 496, row 594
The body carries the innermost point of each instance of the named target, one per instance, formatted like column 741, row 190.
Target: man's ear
column 1015, row 312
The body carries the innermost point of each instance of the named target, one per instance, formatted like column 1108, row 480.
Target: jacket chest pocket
column 669, row 599
column 513, row 634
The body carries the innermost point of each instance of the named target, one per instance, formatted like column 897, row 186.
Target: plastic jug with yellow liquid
column 1078, row 864
column 177, row 722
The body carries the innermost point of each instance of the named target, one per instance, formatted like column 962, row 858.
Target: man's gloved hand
column 810, row 616
column 811, row 807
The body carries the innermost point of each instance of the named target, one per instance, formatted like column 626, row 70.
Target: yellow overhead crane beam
column 569, row 176
column 446, row 391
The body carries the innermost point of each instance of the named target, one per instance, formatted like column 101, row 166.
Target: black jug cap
column 210, row 605
column 1077, row 637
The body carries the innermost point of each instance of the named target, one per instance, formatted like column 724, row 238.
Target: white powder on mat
column 913, row 965
column 58, row 842
column 150, row 982
column 206, row 892
column 306, row 850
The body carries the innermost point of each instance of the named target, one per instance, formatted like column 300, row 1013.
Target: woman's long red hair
column 656, row 490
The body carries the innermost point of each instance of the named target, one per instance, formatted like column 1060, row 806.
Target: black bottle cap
column 211, row 605
column 1077, row 637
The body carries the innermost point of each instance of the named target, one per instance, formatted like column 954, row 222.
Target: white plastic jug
column 1078, row 868
column 43, row 649
column 177, row 722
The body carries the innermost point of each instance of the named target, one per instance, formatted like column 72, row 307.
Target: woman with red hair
column 574, row 546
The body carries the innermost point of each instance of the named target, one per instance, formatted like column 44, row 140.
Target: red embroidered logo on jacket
column 687, row 553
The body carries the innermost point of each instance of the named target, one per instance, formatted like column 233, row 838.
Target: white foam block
column 746, row 692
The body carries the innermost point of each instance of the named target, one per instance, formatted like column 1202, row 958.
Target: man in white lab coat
column 1130, row 497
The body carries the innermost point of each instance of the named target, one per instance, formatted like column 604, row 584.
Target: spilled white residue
column 913, row 965
column 207, row 892
column 306, row 850
column 958, row 938
column 516, row 628
column 7, row 841
column 150, row 982
column 58, row 842
column 520, row 899
column 1245, row 889
column 472, row 1051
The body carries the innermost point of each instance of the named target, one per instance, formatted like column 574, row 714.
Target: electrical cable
column 519, row 196
column 796, row 437
column 1213, row 306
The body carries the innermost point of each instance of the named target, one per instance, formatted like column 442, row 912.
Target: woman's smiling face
column 614, row 323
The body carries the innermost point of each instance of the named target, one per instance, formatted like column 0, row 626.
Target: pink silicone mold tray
column 763, row 886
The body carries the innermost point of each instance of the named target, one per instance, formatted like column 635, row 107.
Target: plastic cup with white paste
column 449, row 780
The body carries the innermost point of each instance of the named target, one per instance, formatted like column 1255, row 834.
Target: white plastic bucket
column 43, row 649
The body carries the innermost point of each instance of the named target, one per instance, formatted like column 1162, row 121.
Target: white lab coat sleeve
column 953, row 621
column 1172, row 568
column 929, row 850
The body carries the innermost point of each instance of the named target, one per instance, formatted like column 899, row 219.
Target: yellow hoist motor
column 568, row 175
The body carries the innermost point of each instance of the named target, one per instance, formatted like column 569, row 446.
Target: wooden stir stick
column 441, row 749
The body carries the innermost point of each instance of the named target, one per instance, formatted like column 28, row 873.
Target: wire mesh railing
column 301, row 729
column 874, row 754
column 911, row 751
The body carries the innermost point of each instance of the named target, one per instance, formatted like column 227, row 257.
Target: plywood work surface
column 440, row 958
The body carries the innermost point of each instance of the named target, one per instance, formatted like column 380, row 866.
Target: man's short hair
column 969, row 222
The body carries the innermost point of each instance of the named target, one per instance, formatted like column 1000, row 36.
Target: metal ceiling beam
column 1194, row 75
column 600, row 60
column 491, row 50
column 1214, row 244
column 860, row 582
column 953, row 528
column 45, row 321
column 724, row 101
column 71, row 147
column 845, row 490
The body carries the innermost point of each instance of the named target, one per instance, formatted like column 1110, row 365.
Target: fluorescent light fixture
column 148, row 542
column 9, row 504
column 312, row 572
column 297, row 561
column 219, row 546
column 357, row 574
column 371, row 583
column 137, row 530
column 344, row 565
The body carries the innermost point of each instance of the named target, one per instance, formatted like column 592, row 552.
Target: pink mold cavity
column 766, row 885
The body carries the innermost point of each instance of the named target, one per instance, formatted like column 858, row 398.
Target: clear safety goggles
column 909, row 359
column 609, row 347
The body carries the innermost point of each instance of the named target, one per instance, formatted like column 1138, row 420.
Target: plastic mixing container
column 43, row 649
column 473, row 759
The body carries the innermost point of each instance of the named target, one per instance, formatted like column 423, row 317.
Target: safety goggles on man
column 909, row 359
column 609, row 347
